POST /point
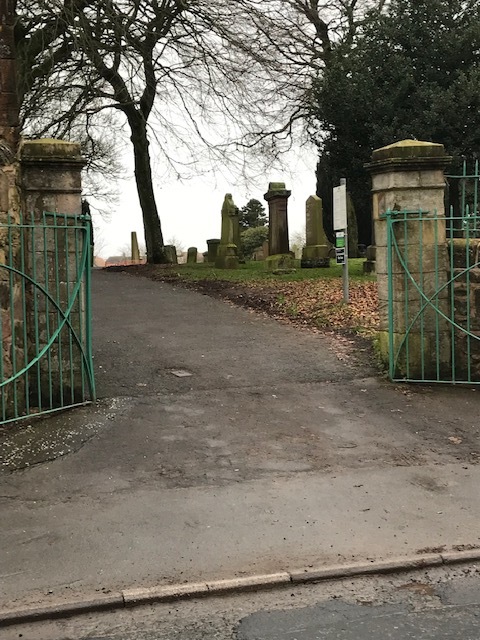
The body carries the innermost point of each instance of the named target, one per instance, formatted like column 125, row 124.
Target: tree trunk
column 9, row 111
column 146, row 196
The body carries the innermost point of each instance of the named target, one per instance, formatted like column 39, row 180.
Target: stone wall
column 13, row 350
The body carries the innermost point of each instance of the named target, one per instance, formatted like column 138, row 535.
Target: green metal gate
column 433, row 265
column 433, row 298
column 45, row 328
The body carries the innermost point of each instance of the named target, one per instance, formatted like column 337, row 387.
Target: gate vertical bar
column 467, row 265
column 437, row 284
column 391, row 344
column 79, row 270
column 452, row 296
column 26, row 381
column 88, row 298
column 47, row 312
column 36, row 351
column 13, row 354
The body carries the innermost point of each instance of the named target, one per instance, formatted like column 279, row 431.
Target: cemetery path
column 227, row 444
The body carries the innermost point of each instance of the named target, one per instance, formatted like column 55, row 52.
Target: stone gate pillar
column 409, row 176
column 51, row 182
column 51, row 176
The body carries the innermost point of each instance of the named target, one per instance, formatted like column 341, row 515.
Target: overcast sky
column 190, row 210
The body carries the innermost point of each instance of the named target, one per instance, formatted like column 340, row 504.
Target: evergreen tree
column 253, row 215
column 252, row 239
column 413, row 72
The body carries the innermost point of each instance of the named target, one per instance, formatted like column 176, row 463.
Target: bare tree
column 177, row 243
column 297, row 242
column 220, row 77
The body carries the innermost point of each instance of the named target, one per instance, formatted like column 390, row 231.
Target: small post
column 340, row 226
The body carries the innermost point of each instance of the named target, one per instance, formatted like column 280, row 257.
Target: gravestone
column 228, row 249
column 212, row 252
column 317, row 248
column 280, row 259
column 192, row 255
column 171, row 253
column 135, row 252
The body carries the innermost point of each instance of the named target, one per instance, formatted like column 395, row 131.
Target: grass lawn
column 255, row 272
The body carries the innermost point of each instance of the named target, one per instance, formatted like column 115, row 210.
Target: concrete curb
column 61, row 609
column 169, row 593
column 359, row 569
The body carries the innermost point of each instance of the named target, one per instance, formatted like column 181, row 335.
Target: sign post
column 340, row 226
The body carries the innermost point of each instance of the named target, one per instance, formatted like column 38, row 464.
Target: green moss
column 49, row 148
column 281, row 262
column 409, row 149
column 276, row 186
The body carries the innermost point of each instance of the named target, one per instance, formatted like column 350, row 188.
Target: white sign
column 339, row 207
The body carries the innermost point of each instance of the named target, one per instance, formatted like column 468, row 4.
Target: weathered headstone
column 265, row 249
column 171, row 253
column 192, row 255
column 212, row 252
column 227, row 253
column 280, row 258
column 369, row 265
column 317, row 248
column 135, row 253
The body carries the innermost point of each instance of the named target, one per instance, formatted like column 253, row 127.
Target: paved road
column 338, row 621
column 439, row 604
column 282, row 449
